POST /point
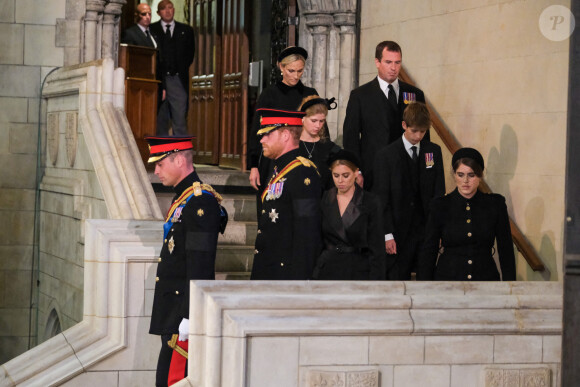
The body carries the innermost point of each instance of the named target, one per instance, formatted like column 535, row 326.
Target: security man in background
column 139, row 34
column 176, row 45
column 289, row 239
column 190, row 236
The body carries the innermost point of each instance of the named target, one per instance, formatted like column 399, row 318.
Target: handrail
column 519, row 239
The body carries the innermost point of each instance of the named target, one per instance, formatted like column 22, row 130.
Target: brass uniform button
column 469, row 276
column 259, row 231
column 282, row 264
column 177, row 292
column 470, row 261
column 469, row 234
column 156, row 279
column 159, row 259
column 468, row 220
column 256, row 251
column 468, row 208
column 165, row 241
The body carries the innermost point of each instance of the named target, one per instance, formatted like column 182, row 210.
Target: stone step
column 239, row 233
column 234, row 259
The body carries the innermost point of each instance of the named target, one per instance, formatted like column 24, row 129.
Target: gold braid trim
column 173, row 345
column 198, row 187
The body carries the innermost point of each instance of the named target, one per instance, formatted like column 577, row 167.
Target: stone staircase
column 236, row 247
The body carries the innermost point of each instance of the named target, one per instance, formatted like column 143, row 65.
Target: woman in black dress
column 351, row 227
column 286, row 94
column 314, row 141
column 467, row 222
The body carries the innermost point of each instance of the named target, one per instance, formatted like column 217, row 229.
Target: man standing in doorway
column 375, row 110
column 139, row 34
column 176, row 50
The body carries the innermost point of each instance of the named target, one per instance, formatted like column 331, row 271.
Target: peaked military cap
column 271, row 119
column 162, row 146
column 292, row 50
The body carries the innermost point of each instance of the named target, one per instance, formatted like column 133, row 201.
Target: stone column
column 93, row 15
column 346, row 22
column 319, row 26
column 110, row 37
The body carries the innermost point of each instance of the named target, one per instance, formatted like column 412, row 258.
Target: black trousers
column 163, row 363
column 407, row 252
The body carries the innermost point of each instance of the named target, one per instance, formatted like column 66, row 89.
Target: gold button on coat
column 256, row 251
column 470, row 261
column 159, row 259
column 282, row 264
column 177, row 292
column 469, row 276
column 468, row 208
column 156, row 279
column 469, row 234
column 468, row 220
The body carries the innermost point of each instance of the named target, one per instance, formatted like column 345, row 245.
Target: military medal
column 409, row 97
column 429, row 160
column 275, row 190
column 273, row 215
column 171, row 245
column 177, row 214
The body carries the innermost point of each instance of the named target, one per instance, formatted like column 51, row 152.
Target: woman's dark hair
column 471, row 163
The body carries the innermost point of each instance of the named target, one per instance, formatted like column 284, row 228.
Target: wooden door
column 218, row 87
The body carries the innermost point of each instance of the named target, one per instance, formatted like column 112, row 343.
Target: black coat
column 354, row 244
column 188, row 253
column 135, row 36
column 288, row 240
column 318, row 152
column 396, row 191
column 184, row 42
column 467, row 229
column 371, row 123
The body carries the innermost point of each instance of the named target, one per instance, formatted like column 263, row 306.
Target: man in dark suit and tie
column 139, row 34
column 176, row 49
column 375, row 110
column 408, row 174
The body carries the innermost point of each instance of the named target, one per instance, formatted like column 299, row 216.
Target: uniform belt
column 342, row 248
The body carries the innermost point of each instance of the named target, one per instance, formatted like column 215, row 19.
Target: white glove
column 184, row 329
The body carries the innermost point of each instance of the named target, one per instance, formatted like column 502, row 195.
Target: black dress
column 467, row 229
column 318, row 152
column 354, row 243
column 277, row 96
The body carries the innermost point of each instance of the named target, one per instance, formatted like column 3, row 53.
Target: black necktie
column 168, row 31
column 392, row 96
column 149, row 37
column 414, row 156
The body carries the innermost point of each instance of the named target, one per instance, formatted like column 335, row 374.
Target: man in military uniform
column 189, row 242
column 289, row 239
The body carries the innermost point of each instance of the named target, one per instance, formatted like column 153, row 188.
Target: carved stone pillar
column 93, row 17
column 319, row 26
column 346, row 22
column 110, row 37
column 328, row 33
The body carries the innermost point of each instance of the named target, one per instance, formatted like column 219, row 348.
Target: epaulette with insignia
column 198, row 189
column 306, row 162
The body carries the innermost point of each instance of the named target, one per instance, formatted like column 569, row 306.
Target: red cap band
column 162, row 148
column 290, row 121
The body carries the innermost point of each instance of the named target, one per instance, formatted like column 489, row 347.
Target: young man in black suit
column 176, row 50
column 139, row 34
column 408, row 174
column 375, row 109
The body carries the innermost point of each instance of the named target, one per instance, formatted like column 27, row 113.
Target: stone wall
column 27, row 54
column 500, row 86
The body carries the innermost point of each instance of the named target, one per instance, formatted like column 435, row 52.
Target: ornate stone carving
column 519, row 377
column 70, row 136
column 343, row 378
column 52, row 136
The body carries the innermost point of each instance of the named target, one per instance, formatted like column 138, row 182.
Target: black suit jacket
column 185, row 46
column 354, row 244
column 135, row 36
column 371, row 123
column 395, row 188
